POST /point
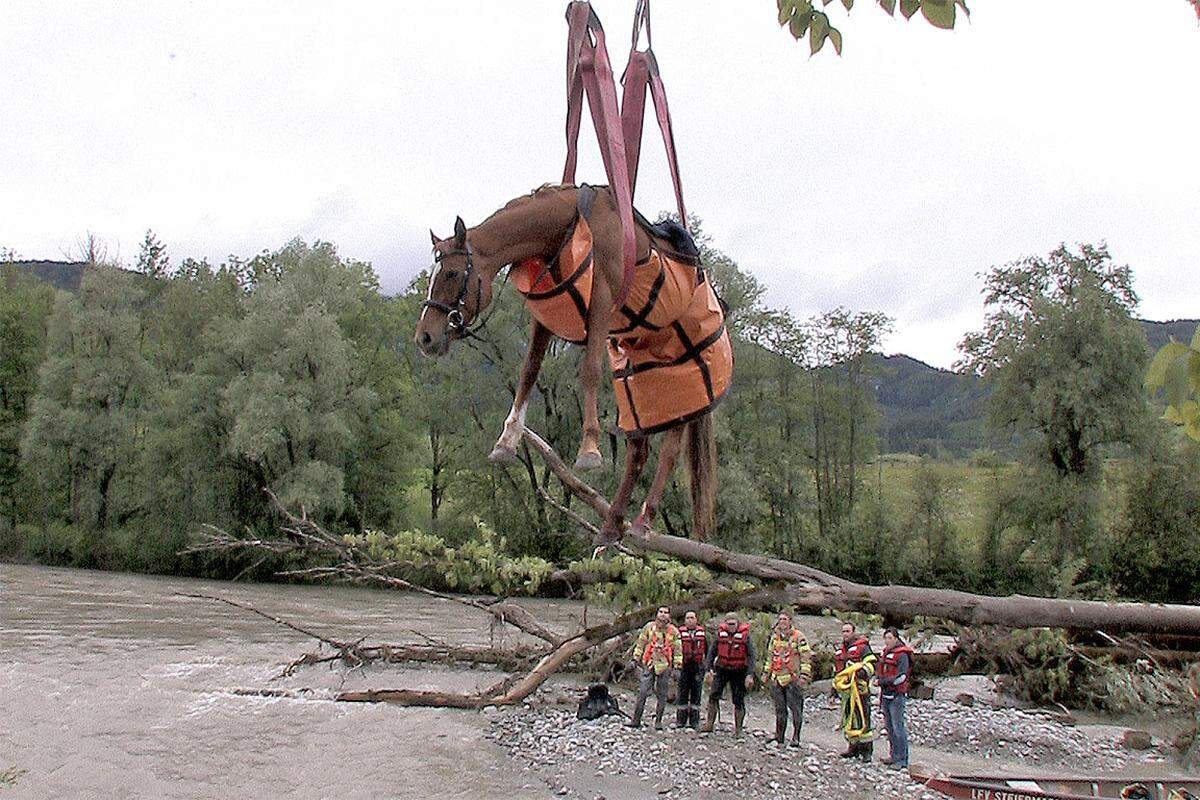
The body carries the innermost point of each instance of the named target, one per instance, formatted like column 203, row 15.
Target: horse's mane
column 536, row 194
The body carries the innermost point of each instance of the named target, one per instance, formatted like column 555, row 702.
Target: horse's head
column 457, row 293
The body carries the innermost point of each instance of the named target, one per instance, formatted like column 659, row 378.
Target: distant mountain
column 66, row 275
column 931, row 410
column 928, row 410
column 1159, row 333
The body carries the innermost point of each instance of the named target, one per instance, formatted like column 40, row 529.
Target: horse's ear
column 460, row 233
column 433, row 237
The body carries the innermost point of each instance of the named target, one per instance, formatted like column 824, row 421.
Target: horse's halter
column 454, row 315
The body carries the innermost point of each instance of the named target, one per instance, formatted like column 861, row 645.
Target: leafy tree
column 291, row 389
column 152, row 257
column 85, row 424
column 1063, row 354
column 843, row 415
column 938, row 560
column 1155, row 554
column 25, row 306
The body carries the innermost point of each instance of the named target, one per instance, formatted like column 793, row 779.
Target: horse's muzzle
column 432, row 344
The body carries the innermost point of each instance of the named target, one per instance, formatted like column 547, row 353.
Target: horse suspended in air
column 666, row 343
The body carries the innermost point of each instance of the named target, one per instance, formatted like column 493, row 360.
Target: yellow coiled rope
column 855, row 724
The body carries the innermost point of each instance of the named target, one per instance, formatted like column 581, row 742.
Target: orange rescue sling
column 670, row 353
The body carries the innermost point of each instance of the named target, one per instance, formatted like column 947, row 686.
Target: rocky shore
column 604, row 759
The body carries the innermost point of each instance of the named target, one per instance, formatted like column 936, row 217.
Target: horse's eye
column 451, row 274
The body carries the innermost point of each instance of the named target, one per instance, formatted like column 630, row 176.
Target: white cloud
column 884, row 179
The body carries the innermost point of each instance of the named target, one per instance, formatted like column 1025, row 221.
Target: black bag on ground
column 598, row 703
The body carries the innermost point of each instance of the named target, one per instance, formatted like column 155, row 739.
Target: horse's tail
column 702, row 464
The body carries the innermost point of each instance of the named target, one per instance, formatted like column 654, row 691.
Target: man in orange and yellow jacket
column 657, row 652
column 787, row 671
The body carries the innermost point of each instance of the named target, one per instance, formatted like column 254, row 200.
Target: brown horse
column 539, row 226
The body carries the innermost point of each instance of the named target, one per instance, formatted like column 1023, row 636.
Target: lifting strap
column 640, row 72
column 590, row 72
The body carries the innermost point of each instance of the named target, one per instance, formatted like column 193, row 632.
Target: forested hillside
column 148, row 401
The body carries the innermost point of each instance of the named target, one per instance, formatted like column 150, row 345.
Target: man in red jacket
column 694, row 640
column 854, row 665
column 730, row 661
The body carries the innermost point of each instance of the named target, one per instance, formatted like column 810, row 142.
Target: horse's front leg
column 636, row 452
column 590, row 372
column 505, row 450
column 668, row 454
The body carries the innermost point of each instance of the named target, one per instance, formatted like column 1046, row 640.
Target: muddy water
column 113, row 686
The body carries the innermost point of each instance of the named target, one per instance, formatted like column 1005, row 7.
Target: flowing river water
column 114, row 686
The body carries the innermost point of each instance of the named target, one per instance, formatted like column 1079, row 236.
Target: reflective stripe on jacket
column 895, row 670
column 659, row 648
column 788, row 657
column 694, row 639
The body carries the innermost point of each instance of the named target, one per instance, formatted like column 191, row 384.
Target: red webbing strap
column 642, row 71
column 590, row 72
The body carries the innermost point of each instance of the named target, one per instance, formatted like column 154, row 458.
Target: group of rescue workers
column 729, row 659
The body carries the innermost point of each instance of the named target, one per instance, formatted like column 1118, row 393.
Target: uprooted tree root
column 777, row 583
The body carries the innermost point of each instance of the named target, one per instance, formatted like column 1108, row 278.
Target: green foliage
column 1045, row 668
column 802, row 17
column 25, row 306
column 482, row 563
column 1155, row 553
column 1063, row 355
column 630, row 582
column 1175, row 371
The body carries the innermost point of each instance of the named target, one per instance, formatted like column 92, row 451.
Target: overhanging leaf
column 909, row 7
column 889, row 6
column 1176, row 381
column 818, row 30
column 786, row 9
column 940, row 13
column 1156, row 373
column 835, row 36
column 799, row 25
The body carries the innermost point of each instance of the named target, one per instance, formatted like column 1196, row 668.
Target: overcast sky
column 885, row 179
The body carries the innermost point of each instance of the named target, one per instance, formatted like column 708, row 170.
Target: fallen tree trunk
column 811, row 589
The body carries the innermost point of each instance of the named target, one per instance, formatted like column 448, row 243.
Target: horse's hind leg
column 668, row 454
column 590, row 372
column 636, row 452
column 505, row 450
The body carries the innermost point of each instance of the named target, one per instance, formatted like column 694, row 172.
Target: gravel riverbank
column 602, row 758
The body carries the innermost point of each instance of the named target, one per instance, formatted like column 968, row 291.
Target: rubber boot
column 739, row 716
column 682, row 716
column 636, row 722
column 694, row 717
column 851, row 750
column 795, row 738
column 780, row 730
column 867, row 752
column 710, row 720
column 658, row 715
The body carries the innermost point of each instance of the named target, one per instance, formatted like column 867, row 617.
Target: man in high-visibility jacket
column 657, row 652
column 787, row 671
column 854, row 665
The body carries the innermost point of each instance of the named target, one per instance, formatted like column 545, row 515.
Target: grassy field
column 970, row 487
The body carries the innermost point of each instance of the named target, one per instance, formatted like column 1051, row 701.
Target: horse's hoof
column 605, row 538
column 588, row 461
column 502, row 455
